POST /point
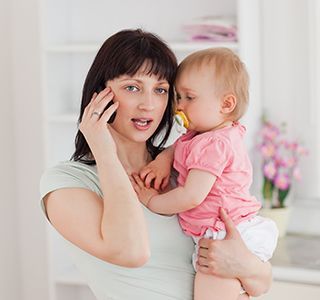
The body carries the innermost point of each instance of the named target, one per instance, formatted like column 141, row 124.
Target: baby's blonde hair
column 229, row 74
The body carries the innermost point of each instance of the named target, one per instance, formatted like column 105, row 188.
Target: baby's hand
column 144, row 193
column 157, row 171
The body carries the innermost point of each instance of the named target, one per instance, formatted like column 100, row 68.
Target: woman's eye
column 161, row 91
column 131, row 88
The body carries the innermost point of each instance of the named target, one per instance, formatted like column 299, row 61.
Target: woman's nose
column 147, row 102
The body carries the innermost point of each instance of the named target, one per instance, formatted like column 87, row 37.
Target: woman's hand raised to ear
column 232, row 259
column 94, row 125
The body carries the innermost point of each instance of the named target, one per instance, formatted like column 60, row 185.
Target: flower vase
column 280, row 216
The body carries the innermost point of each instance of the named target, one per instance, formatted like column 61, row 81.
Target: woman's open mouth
column 142, row 123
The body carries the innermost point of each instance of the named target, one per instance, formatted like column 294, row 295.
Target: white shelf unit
column 72, row 33
column 175, row 46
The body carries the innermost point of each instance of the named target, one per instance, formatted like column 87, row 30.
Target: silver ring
column 96, row 113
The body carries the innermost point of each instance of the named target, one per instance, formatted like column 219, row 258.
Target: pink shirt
column 222, row 153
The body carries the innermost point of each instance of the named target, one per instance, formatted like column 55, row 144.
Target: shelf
column 175, row 46
column 195, row 46
column 72, row 48
column 297, row 275
column 292, row 263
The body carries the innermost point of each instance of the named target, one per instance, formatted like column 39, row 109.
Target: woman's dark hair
column 124, row 53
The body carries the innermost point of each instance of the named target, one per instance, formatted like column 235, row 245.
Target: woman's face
column 143, row 99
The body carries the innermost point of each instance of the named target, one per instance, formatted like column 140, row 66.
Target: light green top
column 167, row 275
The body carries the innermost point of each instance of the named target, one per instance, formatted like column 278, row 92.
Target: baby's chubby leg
column 209, row 287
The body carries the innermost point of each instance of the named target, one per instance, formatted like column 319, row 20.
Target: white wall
column 9, row 258
column 287, row 43
column 285, row 70
column 26, row 96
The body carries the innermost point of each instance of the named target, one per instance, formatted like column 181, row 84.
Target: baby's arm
column 158, row 170
column 195, row 190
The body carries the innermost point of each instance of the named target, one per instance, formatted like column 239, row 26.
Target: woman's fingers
column 231, row 229
column 98, row 105
column 204, row 244
column 96, row 98
column 203, row 269
column 202, row 261
column 109, row 112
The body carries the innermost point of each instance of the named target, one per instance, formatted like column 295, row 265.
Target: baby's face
column 198, row 98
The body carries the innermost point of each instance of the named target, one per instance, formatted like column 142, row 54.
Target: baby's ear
column 228, row 104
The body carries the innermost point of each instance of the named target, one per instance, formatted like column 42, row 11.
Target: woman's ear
column 229, row 103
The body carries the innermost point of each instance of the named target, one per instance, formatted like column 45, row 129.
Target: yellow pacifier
column 181, row 119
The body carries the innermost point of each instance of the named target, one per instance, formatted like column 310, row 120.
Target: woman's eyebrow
column 140, row 81
column 164, row 82
column 130, row 79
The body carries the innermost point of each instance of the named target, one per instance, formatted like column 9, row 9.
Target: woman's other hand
column 232, row 259
column 94, row 125
column 225, row 258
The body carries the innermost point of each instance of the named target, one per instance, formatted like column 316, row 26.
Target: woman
column 124, row 250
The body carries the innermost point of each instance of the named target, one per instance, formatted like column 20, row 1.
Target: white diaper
column 259, row 234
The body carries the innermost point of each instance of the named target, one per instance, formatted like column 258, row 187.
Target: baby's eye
column 131, row 88
column 178, row 97
column 161, row 91
column 189, row 98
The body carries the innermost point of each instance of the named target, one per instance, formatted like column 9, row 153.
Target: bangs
column 129, row 58
column 151, row 66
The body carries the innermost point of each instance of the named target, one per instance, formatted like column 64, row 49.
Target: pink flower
column 270, row 131
column 296, row 173
column 267, row 150
column 269, row 170
column 289, row 162
column 280, row 158
column 301, row 150
column 282, row 181
column 293, row 146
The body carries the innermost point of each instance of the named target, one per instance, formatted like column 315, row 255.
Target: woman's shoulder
column 69, row 174
column 71, row 166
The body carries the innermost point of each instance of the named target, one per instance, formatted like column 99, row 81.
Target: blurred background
column 46, row 49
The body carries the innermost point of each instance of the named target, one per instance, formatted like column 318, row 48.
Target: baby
column 213, row 164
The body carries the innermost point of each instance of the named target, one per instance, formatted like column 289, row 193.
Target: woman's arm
column 113, row 228
column 231, row 258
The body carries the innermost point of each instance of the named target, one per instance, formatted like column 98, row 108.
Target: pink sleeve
column 211, row 154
